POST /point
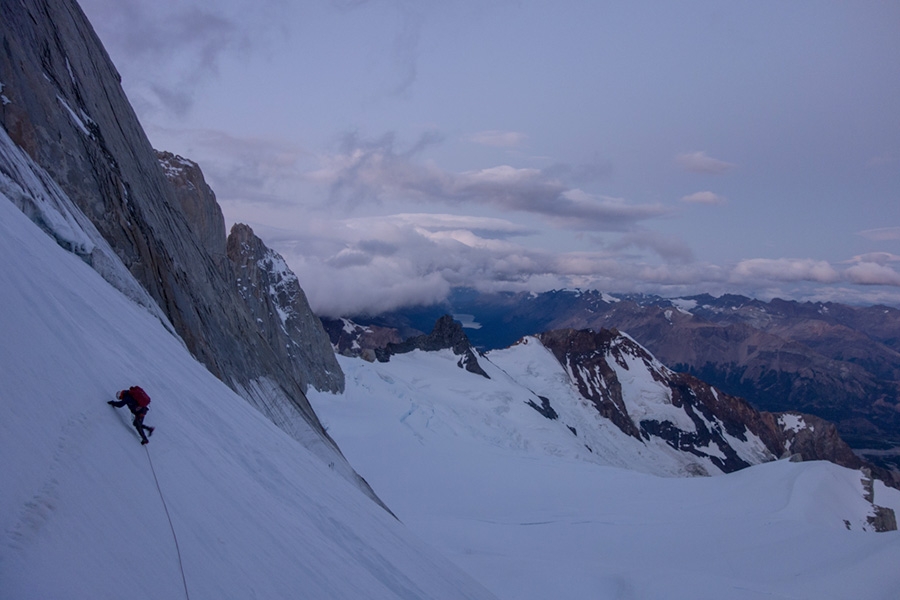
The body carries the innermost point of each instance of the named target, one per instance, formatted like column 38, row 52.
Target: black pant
column 139, row 425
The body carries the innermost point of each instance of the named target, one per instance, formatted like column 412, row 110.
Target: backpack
column 140, row 396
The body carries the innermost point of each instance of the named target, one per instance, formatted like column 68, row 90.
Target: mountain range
column 839, row 362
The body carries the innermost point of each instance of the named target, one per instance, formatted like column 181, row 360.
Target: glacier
column 521, row 503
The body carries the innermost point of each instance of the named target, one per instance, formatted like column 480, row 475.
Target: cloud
column 579, row 174
column 484, row 226
column 370, row 264
column 873, row 268
column 405, row 49
column 785, row 269
column 405, row 40
column 881, row 234
column 498, row 139
column 704, row 198
column 870, row 273
column 175, row 46
column 373, row 264
column 375, row 171
column 699, row 162
column 670, row 249
column 881, row 258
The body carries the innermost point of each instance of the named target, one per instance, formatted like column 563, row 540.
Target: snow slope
column 256, row 515
column 521, row 503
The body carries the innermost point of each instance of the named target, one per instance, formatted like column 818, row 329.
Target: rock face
column 813, row 438
column 351, row 339
column 279, row 305
column 447, row 334
column 68, row 112
column 64, row 107
column 197, row 201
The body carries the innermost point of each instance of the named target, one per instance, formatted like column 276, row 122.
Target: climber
column 138, row 403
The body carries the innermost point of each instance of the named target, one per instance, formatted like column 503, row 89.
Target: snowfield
column 254, row 513
column 521, row 503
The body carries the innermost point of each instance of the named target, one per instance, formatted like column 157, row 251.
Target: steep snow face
column 255, row 513
column 651, row 403
column 535, row 368
column 538, row 508
column 643, row 389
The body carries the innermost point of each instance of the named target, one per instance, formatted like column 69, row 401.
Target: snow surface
column 521, row 503
column 532, row 367
column 792, row 422
column 256, row 514
column 645, row 397
column 683, row 304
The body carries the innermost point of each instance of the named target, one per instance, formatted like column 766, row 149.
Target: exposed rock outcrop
column 447, row 334
column 812, row 438
column 279, row 305
column 351, row 339
column 882, row 518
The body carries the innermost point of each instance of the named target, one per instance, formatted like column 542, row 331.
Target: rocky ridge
column 352, row 339
column 275, row 298
column 197, row 200
column 610, row 369
column 446, row 334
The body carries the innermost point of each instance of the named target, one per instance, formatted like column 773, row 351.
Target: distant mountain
column 621, row 384
column 838, row 362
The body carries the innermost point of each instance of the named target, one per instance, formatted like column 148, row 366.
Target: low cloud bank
column 371, row 265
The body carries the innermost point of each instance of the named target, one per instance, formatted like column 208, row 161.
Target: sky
column 393, row 149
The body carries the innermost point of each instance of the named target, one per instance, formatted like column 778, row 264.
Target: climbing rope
column 172, row 527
